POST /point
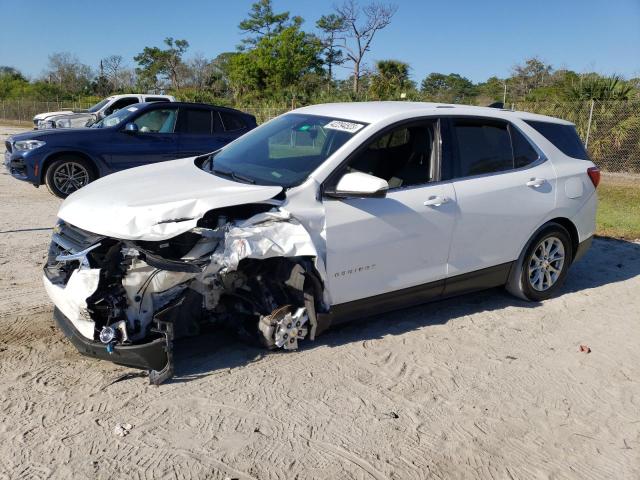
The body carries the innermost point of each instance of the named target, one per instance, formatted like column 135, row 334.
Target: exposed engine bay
column 250, row 268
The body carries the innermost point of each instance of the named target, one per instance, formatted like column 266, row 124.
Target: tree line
column 279, row 61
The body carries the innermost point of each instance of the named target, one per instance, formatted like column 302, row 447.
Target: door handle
column 536, row 182
column 436, row 201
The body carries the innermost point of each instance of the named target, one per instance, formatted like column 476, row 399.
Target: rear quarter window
column 231, row 121
column 564, row 137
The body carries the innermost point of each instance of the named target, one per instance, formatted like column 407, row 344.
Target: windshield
column 115, row 118
column 284, row 151
column 98, row 106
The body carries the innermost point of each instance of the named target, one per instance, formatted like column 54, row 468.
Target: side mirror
column 358, row 184
column 131, row 128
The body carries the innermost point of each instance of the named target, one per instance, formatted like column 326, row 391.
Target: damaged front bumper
column 125, row 301
column 152, row 355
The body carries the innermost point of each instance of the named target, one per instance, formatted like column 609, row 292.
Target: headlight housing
column 25, row 145
column 63, row 123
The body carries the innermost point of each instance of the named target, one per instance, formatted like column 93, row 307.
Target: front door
column 382, row 245
column 155, row 140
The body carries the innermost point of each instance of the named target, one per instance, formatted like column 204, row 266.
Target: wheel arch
column 570, row 227
column 516, row 268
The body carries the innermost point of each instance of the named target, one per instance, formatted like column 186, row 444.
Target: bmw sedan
column 68, row 159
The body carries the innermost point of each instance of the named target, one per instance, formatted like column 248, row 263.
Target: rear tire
column 68, row 174
column 542, row 267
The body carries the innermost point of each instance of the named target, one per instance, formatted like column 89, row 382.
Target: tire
column 68, row 174
column 542, row 267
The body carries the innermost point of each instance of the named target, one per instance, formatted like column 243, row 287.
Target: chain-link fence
column 611, row 130
column 25, row 110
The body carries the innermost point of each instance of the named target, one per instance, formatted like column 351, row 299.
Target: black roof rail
column 496, row 105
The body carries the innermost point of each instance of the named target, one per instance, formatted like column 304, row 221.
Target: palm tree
column 599, row 88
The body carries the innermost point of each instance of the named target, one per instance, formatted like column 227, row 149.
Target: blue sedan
column 66, row 160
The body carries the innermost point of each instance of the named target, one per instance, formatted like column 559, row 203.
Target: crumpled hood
column 155, row 202
column 42, row 116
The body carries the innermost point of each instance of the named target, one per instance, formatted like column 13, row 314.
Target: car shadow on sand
column 608, row 261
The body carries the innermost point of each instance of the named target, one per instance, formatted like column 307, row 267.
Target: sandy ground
column 483, row 386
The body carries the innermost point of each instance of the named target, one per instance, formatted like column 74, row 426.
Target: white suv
column 322, row 215
column 85, row 118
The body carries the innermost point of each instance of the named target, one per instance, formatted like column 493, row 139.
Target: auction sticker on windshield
column 344, row 126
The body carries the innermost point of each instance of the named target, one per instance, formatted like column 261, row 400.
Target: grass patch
column 618, row 210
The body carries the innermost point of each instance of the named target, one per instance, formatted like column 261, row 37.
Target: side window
column 523, row 153
column 120, row 104
column 564, row 138
column 161, row 120
column 403, row 157
column 231, row 122
column 195, row 121
column 484, row 146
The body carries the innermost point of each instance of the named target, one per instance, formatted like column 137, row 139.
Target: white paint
column 80, row 118
column 145, row 202
column 71, row 299
column 363, row 246
column 377, row 245
column 574, row 187
column 497, row 214
column 358, row 182
column 266, row 235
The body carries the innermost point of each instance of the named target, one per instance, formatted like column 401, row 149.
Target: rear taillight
column 594, row 175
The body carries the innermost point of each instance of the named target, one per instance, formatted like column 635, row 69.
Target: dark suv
column 66, row 160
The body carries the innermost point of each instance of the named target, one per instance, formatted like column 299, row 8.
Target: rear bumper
column 146, row 356
column 582, row 248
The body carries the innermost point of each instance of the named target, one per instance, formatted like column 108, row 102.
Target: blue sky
column 474, row 38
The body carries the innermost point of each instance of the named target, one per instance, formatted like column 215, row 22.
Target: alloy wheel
column 70, row 176
column 546, row 263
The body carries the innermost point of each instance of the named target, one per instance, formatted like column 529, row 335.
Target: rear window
column 564, row 138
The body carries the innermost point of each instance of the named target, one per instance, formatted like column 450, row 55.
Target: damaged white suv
column 322, row 215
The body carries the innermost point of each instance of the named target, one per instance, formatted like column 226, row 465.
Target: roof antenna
column 496, row 105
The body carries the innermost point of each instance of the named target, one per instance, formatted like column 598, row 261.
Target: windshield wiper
column 233, row 175
column 242, row 178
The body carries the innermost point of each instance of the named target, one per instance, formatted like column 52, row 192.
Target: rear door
column 504, row 187
column 155, row 141
column 198, row 130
